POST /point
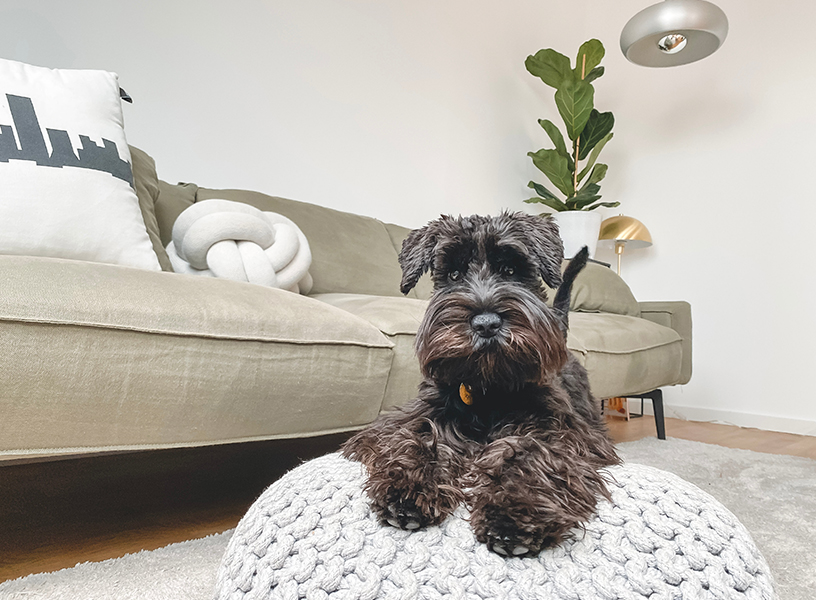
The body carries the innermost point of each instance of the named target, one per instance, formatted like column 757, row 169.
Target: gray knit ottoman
column 312, row 535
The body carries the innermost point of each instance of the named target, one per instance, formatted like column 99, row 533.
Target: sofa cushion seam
column 633, row 351
column 388, row 345
column 117, row 448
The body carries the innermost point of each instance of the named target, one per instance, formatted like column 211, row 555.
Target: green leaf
column 571, row 204
column 594, row 52
column 554, row 204
column 598, row 173
column 597, row 127
column 555, row 136
column 574, row 100
column 550, row 66
column 582, row 204
column 542, row 191
column 590, row 189
column 556, row 168
column 594, row 156
column 594, row 74
column 604, row 204
column 587, row 195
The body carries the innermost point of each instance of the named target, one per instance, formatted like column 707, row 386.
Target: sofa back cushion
column 146, row 183
column 424, row 287
column 599, row 289
column 596, row 289
column 350, row 253
column 172, row 201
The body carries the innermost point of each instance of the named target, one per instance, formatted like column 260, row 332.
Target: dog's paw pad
column 507, row 541
column 404, row 515
column 507, row 547
column 498, row 549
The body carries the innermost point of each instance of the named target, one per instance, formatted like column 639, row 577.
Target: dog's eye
column 455, row 275
column 508, row 270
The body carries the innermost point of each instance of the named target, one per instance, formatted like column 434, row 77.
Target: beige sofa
column 99, row 358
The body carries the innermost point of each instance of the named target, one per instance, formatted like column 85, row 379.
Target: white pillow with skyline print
column 66, row 184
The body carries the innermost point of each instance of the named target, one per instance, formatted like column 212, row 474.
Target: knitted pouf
column 312, row 535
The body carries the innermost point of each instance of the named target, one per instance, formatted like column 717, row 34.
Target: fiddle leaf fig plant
column 587, row 130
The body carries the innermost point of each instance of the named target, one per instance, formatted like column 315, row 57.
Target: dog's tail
column 562, row 296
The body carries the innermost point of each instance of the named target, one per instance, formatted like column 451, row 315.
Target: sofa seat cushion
column 100, row 357
column 398, row 318
column 624, row 354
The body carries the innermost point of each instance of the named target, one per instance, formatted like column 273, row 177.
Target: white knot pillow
column 233, row 240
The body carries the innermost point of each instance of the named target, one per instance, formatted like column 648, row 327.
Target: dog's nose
column 486, row 324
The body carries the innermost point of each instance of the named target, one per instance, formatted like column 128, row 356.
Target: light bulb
column 672, row 43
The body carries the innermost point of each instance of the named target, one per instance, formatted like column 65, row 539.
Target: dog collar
column 466, row 394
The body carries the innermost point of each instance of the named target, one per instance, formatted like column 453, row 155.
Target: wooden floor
column 56, row 514
column 713, row 433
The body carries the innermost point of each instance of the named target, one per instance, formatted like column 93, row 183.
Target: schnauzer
column 504, row 421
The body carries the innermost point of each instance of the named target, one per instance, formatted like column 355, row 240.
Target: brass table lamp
column 625, row 231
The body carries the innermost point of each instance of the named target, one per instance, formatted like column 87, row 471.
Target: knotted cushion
column 312, row 535
column 233, row 240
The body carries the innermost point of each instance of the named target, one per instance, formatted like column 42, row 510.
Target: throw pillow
column 67, row 184
column 233, row 240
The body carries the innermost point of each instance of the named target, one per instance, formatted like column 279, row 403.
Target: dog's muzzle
column 486, row 324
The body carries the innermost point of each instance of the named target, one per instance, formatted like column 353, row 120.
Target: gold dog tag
column 465, row 395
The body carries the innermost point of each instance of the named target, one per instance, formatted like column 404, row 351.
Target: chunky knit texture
column 312, row 535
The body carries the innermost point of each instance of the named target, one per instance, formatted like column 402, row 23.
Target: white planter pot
column 578, row 228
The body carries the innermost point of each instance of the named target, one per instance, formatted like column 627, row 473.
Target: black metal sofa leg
column 657, row 403
column 656, row 396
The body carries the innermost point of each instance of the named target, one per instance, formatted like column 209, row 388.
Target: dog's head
column 487, row 323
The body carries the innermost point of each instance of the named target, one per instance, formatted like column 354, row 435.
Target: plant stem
column 576, row 144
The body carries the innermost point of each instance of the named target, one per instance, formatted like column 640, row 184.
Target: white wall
column 406, row 109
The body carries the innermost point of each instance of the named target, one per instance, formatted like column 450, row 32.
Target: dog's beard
column 529, row 347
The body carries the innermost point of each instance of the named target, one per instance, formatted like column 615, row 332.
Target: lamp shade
column 674, row 32
column 625, row 229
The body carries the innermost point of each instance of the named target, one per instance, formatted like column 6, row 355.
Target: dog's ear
column 416, row 256
column 545, row 245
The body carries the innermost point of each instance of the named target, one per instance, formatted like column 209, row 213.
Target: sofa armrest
column 677, row 315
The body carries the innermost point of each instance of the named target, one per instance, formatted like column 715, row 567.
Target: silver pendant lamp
column 674, row 32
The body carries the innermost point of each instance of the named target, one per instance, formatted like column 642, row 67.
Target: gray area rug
column 774, row 496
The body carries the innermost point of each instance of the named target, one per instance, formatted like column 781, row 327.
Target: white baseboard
column 728, row 417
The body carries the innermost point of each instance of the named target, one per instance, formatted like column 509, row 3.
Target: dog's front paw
column 403, row 513
column 504, row 536
column 515, row 535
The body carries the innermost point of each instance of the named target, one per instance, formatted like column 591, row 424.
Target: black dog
column 505, row 420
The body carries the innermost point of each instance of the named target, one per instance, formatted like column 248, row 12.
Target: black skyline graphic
column 32, row 144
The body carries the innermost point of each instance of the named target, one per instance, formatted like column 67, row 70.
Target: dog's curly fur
column 525, row 454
